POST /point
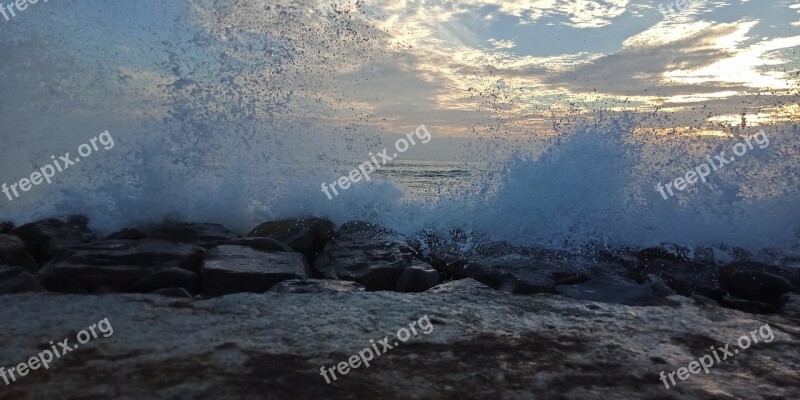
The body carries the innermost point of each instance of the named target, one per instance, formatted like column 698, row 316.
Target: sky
column 471, row 68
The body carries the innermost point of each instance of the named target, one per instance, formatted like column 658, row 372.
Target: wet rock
column 467, row 285
column 117, row 263
column 47, row 237
column 260, row 244
column 234, row 269
column 17, row 280
column 168, row 278
column 704, row 301
column 306, row 235
column 127, row 234
column 790, row 274
column 316, row 286
column 417, row 278
column 367, row 254
column 176, row 292
column 756, row 285
column 607, row 292
column 13, row 251
column 672, row 253
column 688, row 278
column 201, row 234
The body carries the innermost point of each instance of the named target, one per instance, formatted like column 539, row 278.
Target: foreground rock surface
column 484, row 344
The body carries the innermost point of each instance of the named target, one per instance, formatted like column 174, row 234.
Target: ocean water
column 217, row 119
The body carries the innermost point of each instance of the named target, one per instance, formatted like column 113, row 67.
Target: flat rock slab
column 301, row 286
column 233, row 269
column 483, row 345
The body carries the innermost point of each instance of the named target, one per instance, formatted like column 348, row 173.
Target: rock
column 466, row 286
column 518, row 277
column 168, row 278
column 201, row 234
column 177, row 292
column 17, row 280
column 305, row 235
column 234, row 269
column 47, row 237
column 254, row 346
column 260, row 244
column 687, row 279
column 117, row 263
column 418, row 278
column 789, row 273
column 607, row 292
column 127, row 234
column 704, row 301
column 751, row 306
column 672, row 253
column 756, row 285
column 367, row 254
column 316, row 286
column 13, row 251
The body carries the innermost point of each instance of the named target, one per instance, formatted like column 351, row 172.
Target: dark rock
column 607, row 292
column 260, row 244
column 665, row 252
column 417, row 279
column 306, row 235
column 47, row 237
column 17, row 280
column 316, row 286
column 13, row 251
column 660, row 288
column 177, row 292
column 688, row 278
column 467, row 285
column 168, row 278
column 791, row 274
column 127, row 234
column 235, row 269
column 117, row 263
column 367, row 254
column 756, row 285
column 752, row 306
column 201, row 234
column 704, row 301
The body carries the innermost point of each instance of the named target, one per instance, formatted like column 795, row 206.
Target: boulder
column 465, row 286
column 17, row 280
column 127, row 234
column 790, row 274
column 260, row 244
column 686, row 279
column 117, row 263
column 418, row 278
column 367, row 254
column 756, row 285
column 13, row 251
column 306, row 286
column 608, row 292
column 177, row 292
column 48, row 237
column 234, row 269
column 305, row 235
column 172, row 277
column 201, row 234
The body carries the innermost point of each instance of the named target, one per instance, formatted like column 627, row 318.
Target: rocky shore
column 200, row 311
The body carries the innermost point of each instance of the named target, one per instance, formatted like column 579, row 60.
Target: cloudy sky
column 469, row 67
